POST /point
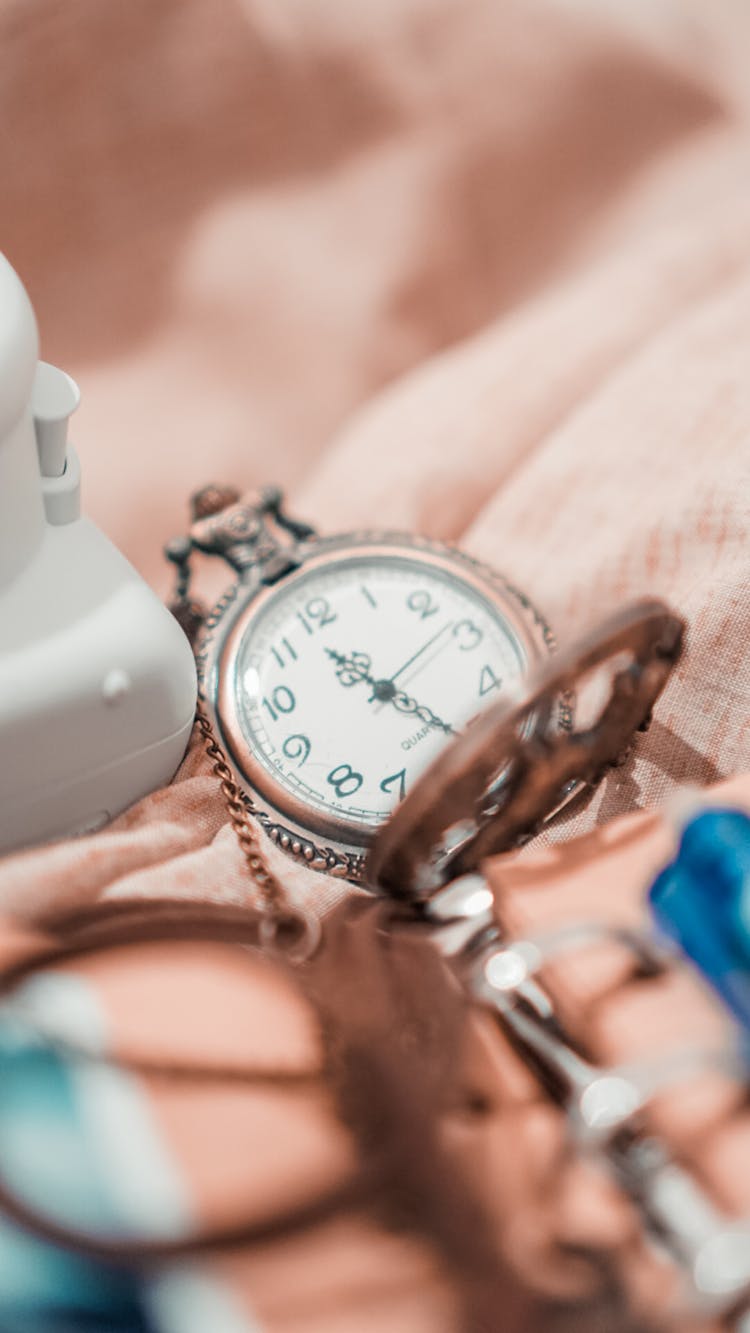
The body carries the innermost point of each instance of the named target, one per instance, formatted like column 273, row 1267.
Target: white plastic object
column 97, row 680
column 54, row 399
column 62, row 495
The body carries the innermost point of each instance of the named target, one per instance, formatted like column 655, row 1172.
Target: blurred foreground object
column 316, row 1145
column 702, row 902
column 97, row 683
column 513, row 769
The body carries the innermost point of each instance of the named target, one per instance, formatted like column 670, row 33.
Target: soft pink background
column 478, row 269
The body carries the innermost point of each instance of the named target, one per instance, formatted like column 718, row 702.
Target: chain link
column 287, row 927
column 272, row 893
column 237, row 540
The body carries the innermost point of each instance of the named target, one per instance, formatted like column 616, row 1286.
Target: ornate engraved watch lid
column 515, row 765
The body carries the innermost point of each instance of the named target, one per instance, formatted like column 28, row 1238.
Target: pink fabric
column 477, row 270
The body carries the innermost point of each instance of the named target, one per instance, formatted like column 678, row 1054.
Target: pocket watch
column 334, row 670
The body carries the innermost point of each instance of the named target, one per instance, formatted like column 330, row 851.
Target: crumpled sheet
column 476, row 270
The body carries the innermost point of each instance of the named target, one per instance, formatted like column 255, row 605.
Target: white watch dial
column 353, row 676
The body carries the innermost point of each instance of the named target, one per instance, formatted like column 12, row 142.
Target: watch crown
column 212, row 500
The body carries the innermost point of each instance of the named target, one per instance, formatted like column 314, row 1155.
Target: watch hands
column 419, row 654
column 403, row 703
column 421, row 650
column 357, row 667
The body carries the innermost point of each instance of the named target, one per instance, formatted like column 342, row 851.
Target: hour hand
column 356, row 667
column 352, row 668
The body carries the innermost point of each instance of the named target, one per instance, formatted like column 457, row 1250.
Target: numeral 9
column 297, row 747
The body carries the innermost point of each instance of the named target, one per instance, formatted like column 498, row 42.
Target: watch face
column 347, row 678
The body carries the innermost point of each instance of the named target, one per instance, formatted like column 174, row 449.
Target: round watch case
column 320, row 840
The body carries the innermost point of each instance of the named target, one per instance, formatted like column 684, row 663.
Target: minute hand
column 421, row 650
column 403, row 703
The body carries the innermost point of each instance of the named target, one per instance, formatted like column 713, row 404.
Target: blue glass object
column 44, row 1161
column 702, row 903
column 53, row 1160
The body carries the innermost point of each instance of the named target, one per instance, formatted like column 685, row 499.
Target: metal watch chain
column 284, row 925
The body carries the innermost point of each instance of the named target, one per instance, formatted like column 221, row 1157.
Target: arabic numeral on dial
column 282, row 701
column 319, row 610
column 468, row 635
column 395, row 778
column 488, row 681
column 422, row 602
column 344, row 780
column 297, row 747
column 283, row 651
